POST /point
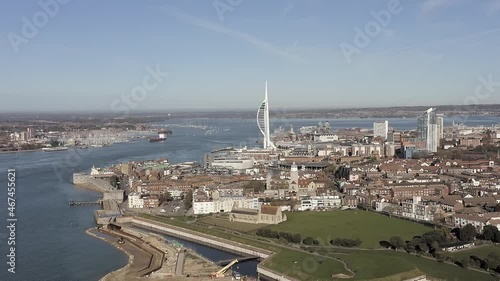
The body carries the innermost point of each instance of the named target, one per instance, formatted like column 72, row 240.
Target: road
column 179, row 267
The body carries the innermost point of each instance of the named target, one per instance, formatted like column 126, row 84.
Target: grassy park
column 223, row 221
column 379, row 264
column 304, row 266
column 368, row 265
column 376, row 265
column 369, row 227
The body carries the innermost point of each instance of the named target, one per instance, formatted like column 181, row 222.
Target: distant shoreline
column 26, row 150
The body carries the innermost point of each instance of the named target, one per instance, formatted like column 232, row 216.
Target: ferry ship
column 162, row 135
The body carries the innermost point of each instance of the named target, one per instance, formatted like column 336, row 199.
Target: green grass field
column 225, row 223
column 480, row 251
column 369, row 227
column 368, row 264
column 379, row 264
column 304, row 266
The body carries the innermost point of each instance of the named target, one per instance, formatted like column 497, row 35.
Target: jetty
column 85, row 203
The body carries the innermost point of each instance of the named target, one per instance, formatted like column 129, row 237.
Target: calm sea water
column 51, row 242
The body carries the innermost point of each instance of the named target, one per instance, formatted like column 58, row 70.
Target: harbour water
column 51, row 243
column 248, row 268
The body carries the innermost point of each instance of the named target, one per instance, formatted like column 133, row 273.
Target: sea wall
column 91, row 182
column 196, row 237
column 271, row 275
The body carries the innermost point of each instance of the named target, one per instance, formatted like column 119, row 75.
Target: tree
column 165, row 197
column 113, row 181
column 493, row 260
column 54, row 143
column 292, row 204
column 439, row 257
column 345, row 242
column 296, row 238
column 464, row 262
column 422, row 247
column 467, row 233
column 434, row 248
column 489, row 232
column 397, row 242
column 308, row 240
column 188, row 200
column 410, row 246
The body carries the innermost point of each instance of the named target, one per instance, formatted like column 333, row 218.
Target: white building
column 440, row 126
column 389, row 149
column 380, row 129
column 135, row 200
column 326, row 137
column 355, row 149
column 98, row 172
column 415, row 208
column 175, row 193
column 427, row 128
column 224, row 205
column 235, row 163
column 319, row 202
column 478, row 221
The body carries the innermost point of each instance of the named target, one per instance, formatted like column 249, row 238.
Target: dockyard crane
column 221, row 272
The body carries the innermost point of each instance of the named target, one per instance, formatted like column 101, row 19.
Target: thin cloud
column 288, row 8
column 388, row 33
column 215, row 27
column 430, row 6
column 493, row 7
column 453, row 39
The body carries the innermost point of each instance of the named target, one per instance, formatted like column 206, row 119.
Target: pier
column 84, row 203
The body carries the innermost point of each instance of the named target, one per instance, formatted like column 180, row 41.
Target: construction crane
column 221, row 272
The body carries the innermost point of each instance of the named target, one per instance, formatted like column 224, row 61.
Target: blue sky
column 91, row 53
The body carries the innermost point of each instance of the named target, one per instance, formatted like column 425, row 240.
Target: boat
column 161, row 137
column 236, row 275
column 49, row 149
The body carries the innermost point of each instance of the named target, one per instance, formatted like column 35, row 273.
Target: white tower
column 294, row 172
column 263, row 122
column 294, row 178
